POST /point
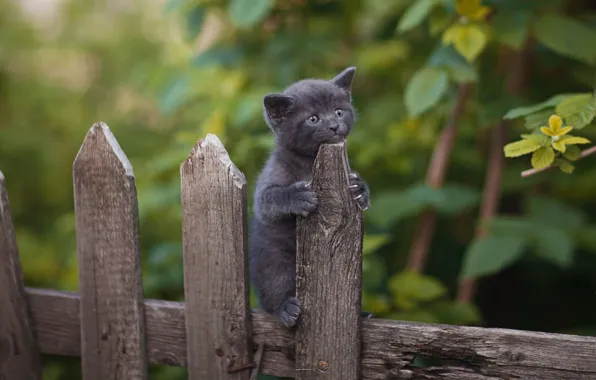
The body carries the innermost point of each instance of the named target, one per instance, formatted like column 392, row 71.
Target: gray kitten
column 308, row 113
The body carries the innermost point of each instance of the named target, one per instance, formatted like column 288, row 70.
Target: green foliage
column 394, row 206
column 163, row 75
column 245, row 13
column 550, row 140
column 422, row 298
column 578, row 110
column 425, row 89
column 415, row 14
column 566, row 36
column 528, row 110
column 490, row 254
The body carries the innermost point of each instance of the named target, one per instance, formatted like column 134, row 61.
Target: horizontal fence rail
column 117, row 332
column 388, row 346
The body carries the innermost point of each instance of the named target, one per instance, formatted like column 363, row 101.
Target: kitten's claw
column 359, row 191
column 290, row 312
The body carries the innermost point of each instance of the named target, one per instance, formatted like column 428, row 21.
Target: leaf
column 457, row 198
column 538, row 119
column 552, row 212
column 421, row 316
column 415, row 14
column 459, row 69
column 173, row 5
column 373, row 242
column 490, row 254
column 425, row 89
column 408, row 288
column 246, row 13
column 573, row 140
column 566, row 36
column 556, row 246
column 471, row 9
column 374, row 271
column 543, row 157
column 439, row 21
column 468, row 39
column 538, row 138
column 585, row 237
column 565, row 166
column 381, row 55
column 521, row 147
column 524, row 111
column 510, row 226
column 393, row 206
column 511, row 28
column 578, row 110
column 456, row 313
column 376, row 303
column 573, row 153
column 194, row 21
column 175, row 94
column 218, row 55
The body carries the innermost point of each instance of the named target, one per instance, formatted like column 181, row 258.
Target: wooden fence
column 117, row 332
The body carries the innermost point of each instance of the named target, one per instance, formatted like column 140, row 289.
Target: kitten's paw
column 303, row 201
column 359, row 190
column 290, row 312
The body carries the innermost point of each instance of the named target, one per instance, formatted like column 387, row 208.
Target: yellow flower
column 559, row 135
column 471, row 9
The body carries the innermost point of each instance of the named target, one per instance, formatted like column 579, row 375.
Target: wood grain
column 216, row 293
column 19, row 357
column 112, row 316
column 329, row 275
column 388, row 346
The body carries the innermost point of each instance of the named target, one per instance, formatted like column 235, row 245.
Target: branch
column 496, row 162
column 585, row 153
column 435, row 177
column 490, row 200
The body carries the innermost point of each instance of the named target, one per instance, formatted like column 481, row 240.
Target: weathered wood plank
column 19, row 357
column 329, row 275
column 112, row 324
column 215, row 264
column 387, row 346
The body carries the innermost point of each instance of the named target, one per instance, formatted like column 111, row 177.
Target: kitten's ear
column 277, row 106
column 344, row 79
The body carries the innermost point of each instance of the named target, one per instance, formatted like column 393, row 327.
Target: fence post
column 19, row 356
column 329, row 275
column 111, row 308
column 218, row 324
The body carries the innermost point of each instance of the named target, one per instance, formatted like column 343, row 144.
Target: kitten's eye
column 339, row 112
column 313, row 119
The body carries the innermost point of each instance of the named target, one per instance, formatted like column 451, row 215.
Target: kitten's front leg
column 302, row 200
column 359, row 190
column 295, row 199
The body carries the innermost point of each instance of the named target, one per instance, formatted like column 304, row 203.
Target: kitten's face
column 312, row 112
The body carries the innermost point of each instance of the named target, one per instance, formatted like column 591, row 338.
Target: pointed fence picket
column 117, row 332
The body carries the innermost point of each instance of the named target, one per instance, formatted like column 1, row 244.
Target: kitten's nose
column 334, row 127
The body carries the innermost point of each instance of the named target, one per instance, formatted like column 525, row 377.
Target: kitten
column 308, row 113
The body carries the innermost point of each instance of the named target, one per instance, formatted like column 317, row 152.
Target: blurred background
column 163, row 73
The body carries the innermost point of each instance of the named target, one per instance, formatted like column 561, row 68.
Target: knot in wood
column 323, row 366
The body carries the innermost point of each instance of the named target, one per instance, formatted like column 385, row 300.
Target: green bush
column 163, row 75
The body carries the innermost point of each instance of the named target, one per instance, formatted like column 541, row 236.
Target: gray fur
column 282, row 190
